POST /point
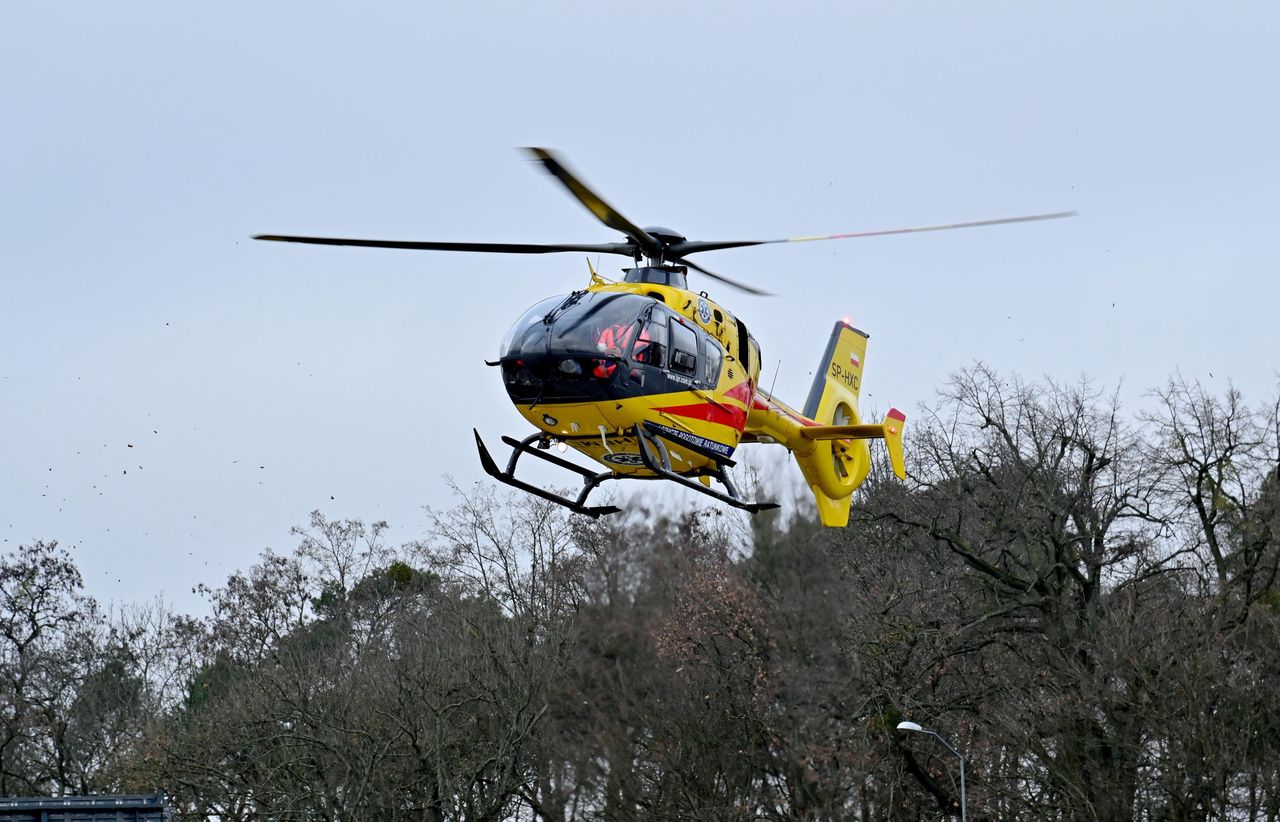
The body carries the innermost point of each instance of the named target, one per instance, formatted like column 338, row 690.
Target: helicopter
column 654, row 381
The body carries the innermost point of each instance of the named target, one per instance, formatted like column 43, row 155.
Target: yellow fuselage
column 701, row 416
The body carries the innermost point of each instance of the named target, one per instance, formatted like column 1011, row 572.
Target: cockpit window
column 615, row 340
column 582, row 323
column 651, row 343
column 513, row 342
column 597, row 324
column 684, row 349
column 715, row 357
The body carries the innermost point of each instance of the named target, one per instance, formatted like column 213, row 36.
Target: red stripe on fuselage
column 735, row 418
column 741, row 392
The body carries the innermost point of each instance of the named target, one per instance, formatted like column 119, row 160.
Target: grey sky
column 141, row 144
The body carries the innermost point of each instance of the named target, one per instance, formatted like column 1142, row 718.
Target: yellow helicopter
column 654, row 381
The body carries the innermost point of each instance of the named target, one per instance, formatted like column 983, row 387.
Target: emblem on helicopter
column 624, row 458
column 704, row 311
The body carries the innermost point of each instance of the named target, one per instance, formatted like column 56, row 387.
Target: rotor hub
column 666, row 235
column 675, row 276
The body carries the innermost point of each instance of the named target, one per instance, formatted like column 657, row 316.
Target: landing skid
column 651, row 444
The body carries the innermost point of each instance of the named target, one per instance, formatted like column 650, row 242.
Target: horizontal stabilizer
column 890, row 431
column 843, row 432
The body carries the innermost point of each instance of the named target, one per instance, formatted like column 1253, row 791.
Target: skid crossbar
column 591, row 480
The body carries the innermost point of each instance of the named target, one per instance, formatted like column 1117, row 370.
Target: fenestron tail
column 890, row 431
column 828, row 439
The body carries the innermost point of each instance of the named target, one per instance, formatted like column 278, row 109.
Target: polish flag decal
column 853, row 360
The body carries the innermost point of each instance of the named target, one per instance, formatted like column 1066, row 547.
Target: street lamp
column 964, row 805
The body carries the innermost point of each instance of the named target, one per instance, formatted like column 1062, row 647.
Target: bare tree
column 1084, row 601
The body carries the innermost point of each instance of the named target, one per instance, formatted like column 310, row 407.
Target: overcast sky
column 174, row 396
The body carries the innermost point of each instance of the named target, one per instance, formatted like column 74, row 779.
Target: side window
column 684, row 349
column 744, row 351
column 711, row 373
column 651, row 344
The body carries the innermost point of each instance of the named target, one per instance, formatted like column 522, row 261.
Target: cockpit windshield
column 529, row 325
column 584, row 323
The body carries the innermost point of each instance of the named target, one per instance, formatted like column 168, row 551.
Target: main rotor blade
column 625, row 249
column 695, row 246
column 727, row 281
column 604, row 212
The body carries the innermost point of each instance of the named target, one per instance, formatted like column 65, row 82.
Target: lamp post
column 964, row 804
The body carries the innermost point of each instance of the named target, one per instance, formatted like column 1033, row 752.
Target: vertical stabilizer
column 840, row 377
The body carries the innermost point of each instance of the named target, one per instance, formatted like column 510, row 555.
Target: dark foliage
column 1084, row 603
